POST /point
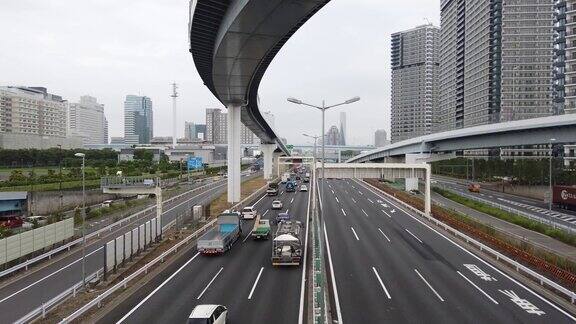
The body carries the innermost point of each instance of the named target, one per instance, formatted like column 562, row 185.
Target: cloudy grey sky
column 111, row 48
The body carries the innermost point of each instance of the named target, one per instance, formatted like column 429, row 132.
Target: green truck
column 261, row 228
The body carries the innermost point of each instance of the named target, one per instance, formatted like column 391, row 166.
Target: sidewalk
column 537, row 239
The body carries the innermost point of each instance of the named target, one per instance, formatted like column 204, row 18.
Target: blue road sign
column 195, row 163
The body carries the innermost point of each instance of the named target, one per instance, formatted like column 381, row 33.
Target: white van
column 248, row 212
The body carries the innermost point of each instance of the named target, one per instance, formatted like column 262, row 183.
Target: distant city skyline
column 55, row 48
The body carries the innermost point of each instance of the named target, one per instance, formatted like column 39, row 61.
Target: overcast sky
column 111, row 48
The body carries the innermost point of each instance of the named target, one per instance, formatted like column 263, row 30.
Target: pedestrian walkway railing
column 318, row 270
column 146, row 212
column 520, row 268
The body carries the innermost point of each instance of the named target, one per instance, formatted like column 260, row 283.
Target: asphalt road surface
column 243, row 279
column 391, row 267
column 20, row 296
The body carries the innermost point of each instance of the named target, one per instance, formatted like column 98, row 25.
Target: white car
column 208, row 314
column 303, row 188
column 248, row 212
column 276, row 204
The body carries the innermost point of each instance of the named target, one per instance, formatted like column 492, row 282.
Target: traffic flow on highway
column 252, row 263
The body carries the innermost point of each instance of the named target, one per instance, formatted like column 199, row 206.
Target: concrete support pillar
column 277, row 169
column 339, row 155
column 234, row 153
column 412, row 183
column 267, row 152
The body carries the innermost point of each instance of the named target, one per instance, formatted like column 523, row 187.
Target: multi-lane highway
column 533, row 207
column 243, row 279
column 20, row 296
column 389, row 266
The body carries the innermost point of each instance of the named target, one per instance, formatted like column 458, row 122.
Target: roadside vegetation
column 529, row 172
column 527, row 223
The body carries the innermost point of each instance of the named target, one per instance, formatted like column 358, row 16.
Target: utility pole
column 174, row 96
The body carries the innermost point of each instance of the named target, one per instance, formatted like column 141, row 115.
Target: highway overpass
column 232, row 44
column 515, row 133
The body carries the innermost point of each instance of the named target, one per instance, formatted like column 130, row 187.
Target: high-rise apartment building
column 414, row 81
column 565, row 57
column 343, row 130
column 496, row 61
column 217, row 128
column 138, row 120
column 86, row 119
column 32, row 110
column 381, row 138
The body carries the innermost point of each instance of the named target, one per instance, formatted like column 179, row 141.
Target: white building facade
column 86, row 119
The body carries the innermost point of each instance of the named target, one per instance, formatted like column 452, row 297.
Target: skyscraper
column 138, row 120
column 343, row 131
column 380, row 138
column 190, row 131
column 332, row 137
column 414, row 81
column 496, row 61
column 217, row 128
column 564, row 53
column 86, row 119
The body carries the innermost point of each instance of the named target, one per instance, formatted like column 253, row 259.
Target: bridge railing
column 123, row 182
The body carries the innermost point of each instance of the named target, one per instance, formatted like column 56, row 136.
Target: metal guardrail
column 68, row 246
column 123, row 284
column 486, row 249
column 545, row 219
column 57, row 300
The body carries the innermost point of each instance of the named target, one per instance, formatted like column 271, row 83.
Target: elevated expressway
column 232, row 43
column 535, row 131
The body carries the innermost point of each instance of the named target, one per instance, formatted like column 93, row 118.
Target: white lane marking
column 247, row 236
column 156, row 290
column 479, row 289
column 211, row 281
column 479, row 272
column 256, row 203
column 353, row 200
column 385, row 213
column 334, row 288
column 281, row 192
column 525, row 304
column 356, row 235
column 360, row 192
column 48, row 276
column 486, row 263
column 287, row 211
column 370, row 200
column 343, row 212
column 292, row 200
column 429, row 286
column 255, row 283
column 392, row 211
column 266, row 212
column 338, row 201
column 384, row 235
column 384, row 205
column 303, row 279
column 381, row 283
column 364, row 212
column 416, row 237
column 333, row 192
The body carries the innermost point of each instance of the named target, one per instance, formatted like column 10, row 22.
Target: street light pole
column 550, row 176
column 323, row 108
column 83, row 156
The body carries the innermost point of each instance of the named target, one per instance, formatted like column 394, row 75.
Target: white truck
column 286, row 245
